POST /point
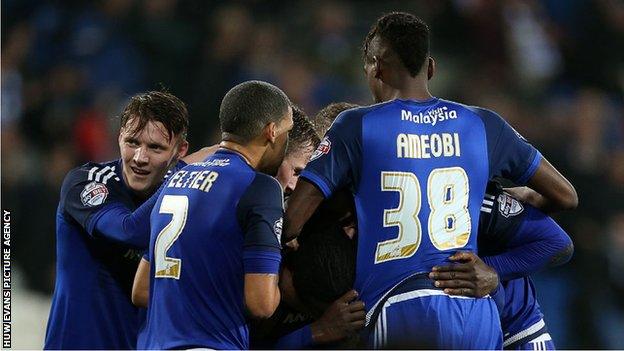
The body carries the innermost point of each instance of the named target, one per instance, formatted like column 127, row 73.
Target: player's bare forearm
column 140, row 287
column 262, row 294
column 343, row 317
column 304, row 200
column 554, row 192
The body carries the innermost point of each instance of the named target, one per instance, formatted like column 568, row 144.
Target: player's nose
column 292, row 183
column 140, row 156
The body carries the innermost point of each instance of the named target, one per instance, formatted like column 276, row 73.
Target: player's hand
column 292, row 245
column 342, row 318
column 467, row 276
column 525, row 194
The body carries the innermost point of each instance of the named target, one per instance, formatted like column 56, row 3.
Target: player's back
column 423, row 174
column 418, row 172
column 196, row 256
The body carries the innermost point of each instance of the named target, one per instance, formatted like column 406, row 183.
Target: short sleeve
column 501, row 216
column 88, row 190
column 336, row 162
column 510, row 155
column 260, row 215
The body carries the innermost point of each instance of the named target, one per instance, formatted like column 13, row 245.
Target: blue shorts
column 429, row 318
column 534, row 337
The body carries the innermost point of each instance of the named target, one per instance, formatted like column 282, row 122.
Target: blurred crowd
column 554, row 69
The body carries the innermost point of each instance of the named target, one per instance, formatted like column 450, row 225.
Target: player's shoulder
column 481, row 112
column 262, row 191
column 101, row 172
column 265, row 185
column 354, row 115
column 92, row 182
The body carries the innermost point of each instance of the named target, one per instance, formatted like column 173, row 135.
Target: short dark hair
column 156, row 106
column 248, row 107
column 407, row 35
column 326, row 116
column 324, row 265
column 302, row 134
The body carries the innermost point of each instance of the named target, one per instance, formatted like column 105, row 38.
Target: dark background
column 554, row 69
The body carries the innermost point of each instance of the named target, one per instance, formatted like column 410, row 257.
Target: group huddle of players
column 389, row 229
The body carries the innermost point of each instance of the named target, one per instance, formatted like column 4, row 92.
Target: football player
column 418, row 168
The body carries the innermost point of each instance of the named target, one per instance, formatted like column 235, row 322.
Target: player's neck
column 418, row 92
column 406, row 87
column 251, row 156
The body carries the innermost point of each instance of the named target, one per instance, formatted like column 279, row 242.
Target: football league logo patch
column 322, row 149
column 508, row 206
column 93, row 194
column 277, row 229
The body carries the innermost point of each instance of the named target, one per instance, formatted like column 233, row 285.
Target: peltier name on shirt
column 200, row 180
column 428, row 145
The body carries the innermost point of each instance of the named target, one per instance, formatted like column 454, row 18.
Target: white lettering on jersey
column 200, row 180
column 432, row 117
column 428, row 146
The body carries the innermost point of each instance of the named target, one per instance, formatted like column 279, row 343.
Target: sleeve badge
column 322, row 149
column 277, row 229
column 94, row 194
column 508, row 206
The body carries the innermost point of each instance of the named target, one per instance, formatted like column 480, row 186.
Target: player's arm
column 140, row 286
column 302, row 204
column 537, row 243
column 201, row 154
column 342, row 318
column 545, row 185
column 261, row 294
column 259, row 213
column 526, row 240
column 512, row 157
column 102, row 208
column 333, row 166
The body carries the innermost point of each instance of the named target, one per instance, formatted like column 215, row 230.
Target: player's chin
column 140, row 184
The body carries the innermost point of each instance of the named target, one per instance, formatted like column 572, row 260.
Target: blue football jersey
column 214, row 221
column 91, row 307
column 505, row 220
column 418, row 172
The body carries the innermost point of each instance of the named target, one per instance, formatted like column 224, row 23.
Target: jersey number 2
column 177, row 206
column 449, row 224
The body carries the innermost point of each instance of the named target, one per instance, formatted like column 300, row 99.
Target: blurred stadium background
column 553, row 68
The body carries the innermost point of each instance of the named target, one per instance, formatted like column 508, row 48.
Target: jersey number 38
column 449, row 223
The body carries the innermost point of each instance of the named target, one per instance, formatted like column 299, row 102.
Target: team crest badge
column 277, row 229
column 93, row 194
column 508, row 206
column 322, row 149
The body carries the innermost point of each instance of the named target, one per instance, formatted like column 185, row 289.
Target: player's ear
column 376, row 67
column 120, row 138
column 430, row 68
column 270, row 132
column 182, row 148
